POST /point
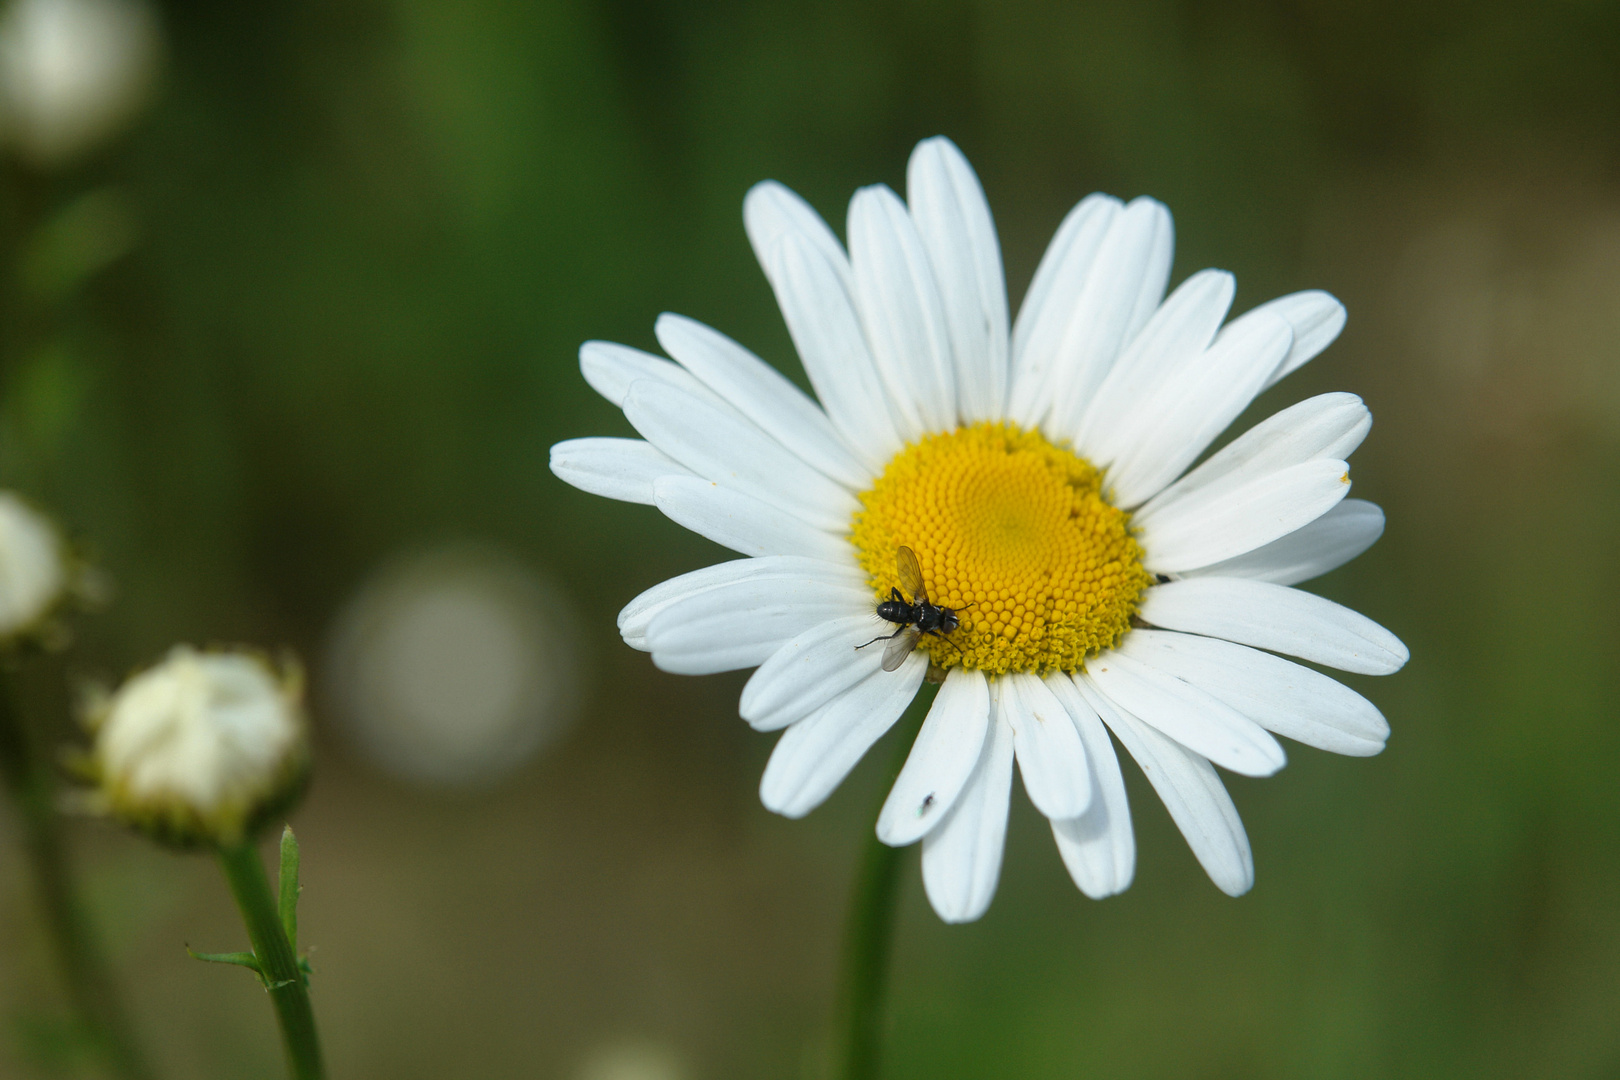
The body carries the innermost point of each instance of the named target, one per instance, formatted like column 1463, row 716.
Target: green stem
column 277, row 963
column 84, row 968
column 869, row 928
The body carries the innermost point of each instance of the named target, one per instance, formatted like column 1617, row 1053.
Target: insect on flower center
column 1014, row 534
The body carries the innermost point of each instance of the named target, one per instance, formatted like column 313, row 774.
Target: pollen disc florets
column 1015, row 531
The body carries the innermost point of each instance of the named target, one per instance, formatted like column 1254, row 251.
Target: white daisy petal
column 813, row 756
column 1327, row 426
column 1124, row 286
column 954, row 222
column 810, row 670
column 1278, row 618
column 1178, row 333
column 1152, row 270
column 1187, row 714
column 772, row 211
column 610, row 369
column 1325, row 544
column 762, row 394
column 741, row 522
column 640, row 612
column 1051, row 757
column 1194, row 532
column 961, row 857
column 740, row 624
column 820, row 315
column 622, row 469
column 1192, row 792
column 901, row 313
column 694, row 650
column 1197, row 403
column 1317, row 319
column 777, row 587
column 941, row 760
column 1098, row 847
column 720, row 445
column 1277, row 694
column 1053, row 293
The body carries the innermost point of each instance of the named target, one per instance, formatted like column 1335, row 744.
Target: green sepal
column 240, row 959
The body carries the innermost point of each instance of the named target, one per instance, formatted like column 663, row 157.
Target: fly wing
column 900, row 646
column 911, row 581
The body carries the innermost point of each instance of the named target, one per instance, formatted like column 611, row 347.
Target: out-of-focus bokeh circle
column 635, row 1060
column 452, row 666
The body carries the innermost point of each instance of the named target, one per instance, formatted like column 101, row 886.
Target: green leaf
column 289, row 886
column 240, row 959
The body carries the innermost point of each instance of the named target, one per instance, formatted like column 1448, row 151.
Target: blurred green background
column 369, row 237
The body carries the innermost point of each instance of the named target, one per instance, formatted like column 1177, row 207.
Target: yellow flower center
column 1012, row 533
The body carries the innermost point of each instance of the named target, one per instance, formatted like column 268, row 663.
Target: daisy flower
column 1042, row 472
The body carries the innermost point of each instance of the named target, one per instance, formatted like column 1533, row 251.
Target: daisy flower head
column 1040, row 471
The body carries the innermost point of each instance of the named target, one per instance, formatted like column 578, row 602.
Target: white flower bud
column 202, row 747
column 34, row 572
column 72, row 72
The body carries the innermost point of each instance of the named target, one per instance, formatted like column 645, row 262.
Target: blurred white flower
column 454, row 666
column 34, row 573
column 72, row 72
column 203, row 746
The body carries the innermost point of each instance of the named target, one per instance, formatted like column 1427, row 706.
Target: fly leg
column 882, row 637
column 947, row 641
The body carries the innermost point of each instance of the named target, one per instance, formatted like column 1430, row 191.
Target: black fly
column 916, row 618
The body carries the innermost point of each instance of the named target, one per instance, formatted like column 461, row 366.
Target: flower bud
column 34, row 568
column 202, row 748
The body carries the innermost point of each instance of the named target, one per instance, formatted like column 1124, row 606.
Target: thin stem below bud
column 278, row 964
